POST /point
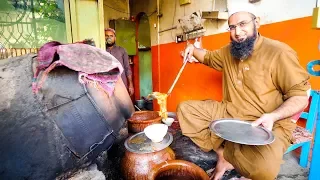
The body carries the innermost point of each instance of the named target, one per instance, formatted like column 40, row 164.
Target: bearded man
column 263, row 82
column 122, row 56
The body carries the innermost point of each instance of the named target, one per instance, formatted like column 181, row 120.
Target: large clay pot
column 177, row 169
column 141, row 119
column 137, row 166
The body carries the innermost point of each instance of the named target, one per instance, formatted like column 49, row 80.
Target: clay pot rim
column 139, row 112
column 165, row 165
column 157, row 119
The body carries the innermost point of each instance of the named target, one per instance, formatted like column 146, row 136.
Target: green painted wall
column 145, row 73
column 126, row 34
column 145, row 60
column 88, row 21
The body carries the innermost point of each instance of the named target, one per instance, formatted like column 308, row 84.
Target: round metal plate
column 141, row 144
column 241, row 132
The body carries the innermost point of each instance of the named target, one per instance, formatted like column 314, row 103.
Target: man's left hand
column 266, row 120
column 131, row 90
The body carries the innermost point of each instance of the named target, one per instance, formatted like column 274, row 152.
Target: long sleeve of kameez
column 126, row 65
column 214, row 59
column 289, row 77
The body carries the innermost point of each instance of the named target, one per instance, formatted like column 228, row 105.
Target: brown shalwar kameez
column 251, row 87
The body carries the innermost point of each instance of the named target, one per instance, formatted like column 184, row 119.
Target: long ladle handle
column 175, row 81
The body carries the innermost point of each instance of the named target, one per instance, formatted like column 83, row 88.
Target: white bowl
column 156, row 132
column 168, row 121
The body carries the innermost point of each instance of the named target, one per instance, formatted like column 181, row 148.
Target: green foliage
column 50, row 9
column 45, row 18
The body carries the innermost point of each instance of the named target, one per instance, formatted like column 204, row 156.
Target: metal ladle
column 137, row 107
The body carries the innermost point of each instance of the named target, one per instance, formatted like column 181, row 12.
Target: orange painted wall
column 200, row 82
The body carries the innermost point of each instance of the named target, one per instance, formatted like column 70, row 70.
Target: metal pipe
column 213, row 5
column 168, row 29
column 158, row 27
column 129, row 13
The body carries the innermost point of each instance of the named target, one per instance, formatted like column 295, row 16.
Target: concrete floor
column 291, row 169
column 110, row 169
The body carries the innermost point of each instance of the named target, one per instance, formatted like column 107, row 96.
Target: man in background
column 122, row 56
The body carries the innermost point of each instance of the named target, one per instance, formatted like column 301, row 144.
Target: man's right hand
column 188, row 53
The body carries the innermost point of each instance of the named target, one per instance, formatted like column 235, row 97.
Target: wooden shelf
column 219, row 15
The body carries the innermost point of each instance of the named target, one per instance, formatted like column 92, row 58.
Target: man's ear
column 257, row 21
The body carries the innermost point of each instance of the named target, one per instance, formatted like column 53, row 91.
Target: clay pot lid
column 141, row 144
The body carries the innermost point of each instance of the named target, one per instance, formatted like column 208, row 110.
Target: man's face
column 243, row 34
column 242, row 25
column 110, row 38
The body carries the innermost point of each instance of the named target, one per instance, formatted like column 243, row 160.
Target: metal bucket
column 144, row 104
column 141, row 103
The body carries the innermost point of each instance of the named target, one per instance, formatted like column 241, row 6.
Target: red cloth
column 93, row 63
